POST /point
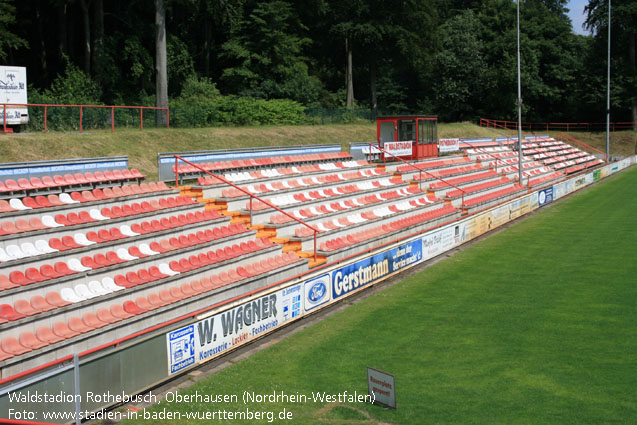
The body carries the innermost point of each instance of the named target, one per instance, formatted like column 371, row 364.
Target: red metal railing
column 223, row 179
column 420, row 170
column 557, row 126
column 111, row 107
column 572, row 139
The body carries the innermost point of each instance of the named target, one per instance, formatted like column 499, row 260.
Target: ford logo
column 317, row 292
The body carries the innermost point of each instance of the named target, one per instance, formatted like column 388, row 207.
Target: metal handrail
column 111, row 107
column 224, row 180
column 584, row 144
column 420, row 170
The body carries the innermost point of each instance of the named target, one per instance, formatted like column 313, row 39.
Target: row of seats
column 432, row 164
column 472, row 202
column 360, row 217
column 385, row 229
column 107, row 285
column 54, row 200
column 61, row 268
column 317, row 210
column 59, row 182
column 60, row 331
column 79, row 240
column 260, row 162
column 462, row 180
column 305, row 182
column 449, row 172
column 22, row 225
column 244, row 176
column 312, row 195
column 477, row 187
column 545, row 178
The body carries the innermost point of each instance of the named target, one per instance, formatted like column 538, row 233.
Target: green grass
column 536, row 324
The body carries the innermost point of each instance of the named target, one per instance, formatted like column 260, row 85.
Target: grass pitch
column 536, row 324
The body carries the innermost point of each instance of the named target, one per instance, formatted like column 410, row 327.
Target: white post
column 519, row 106
column 608, row 92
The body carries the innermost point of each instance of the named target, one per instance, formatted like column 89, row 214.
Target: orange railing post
column 112, row 119
column 141, row 119
column 80, row 118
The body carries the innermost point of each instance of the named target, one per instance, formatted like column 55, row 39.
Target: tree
column 623, row 34
column 161, row 63
column 459, row 80
column 266, row 56
column 8, row 40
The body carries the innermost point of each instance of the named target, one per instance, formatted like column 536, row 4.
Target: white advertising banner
column 217, row 334
column 448, row 145
column 399, row 148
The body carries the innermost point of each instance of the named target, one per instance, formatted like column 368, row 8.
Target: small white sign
column 448, row 145
column 381, row 387
column 399, row 148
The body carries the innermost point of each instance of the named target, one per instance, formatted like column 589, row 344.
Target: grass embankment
column 535, row 325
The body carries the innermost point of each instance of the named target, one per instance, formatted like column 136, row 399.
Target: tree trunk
column 61, row 27
column 633, row 68
column 87, row 36
column 161, row 72
column 372, row 86
column 348, row 75
column 42, row 49
column 98, row 33
column 206, row 46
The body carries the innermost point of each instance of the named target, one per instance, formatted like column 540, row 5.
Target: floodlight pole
column 519, row 102
column 608, row 92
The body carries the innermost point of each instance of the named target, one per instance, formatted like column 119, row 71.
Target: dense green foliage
column 455, row 58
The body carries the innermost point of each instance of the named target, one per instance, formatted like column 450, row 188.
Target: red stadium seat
column 131, row 308
column 12, row 346
column 105, row 316
column 28, row 340
column 23, row 307
column 39, row 303
column 61, row 329
column 46, row 335
column 92, row 321
column 119, row 312
column 54, row 299
column 8, row 313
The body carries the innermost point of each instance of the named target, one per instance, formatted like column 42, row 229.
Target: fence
column 557, row 126
column 44, row 116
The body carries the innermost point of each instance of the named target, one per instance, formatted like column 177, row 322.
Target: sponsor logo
column 316, row 291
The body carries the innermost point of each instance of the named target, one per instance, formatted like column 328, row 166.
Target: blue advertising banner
column 545, row 196
column 369, row 270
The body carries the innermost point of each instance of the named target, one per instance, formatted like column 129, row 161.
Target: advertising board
column 448, row 145
column 399, row 148
column 215, row 335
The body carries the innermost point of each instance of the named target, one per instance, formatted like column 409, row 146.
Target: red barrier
column 112, row 108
